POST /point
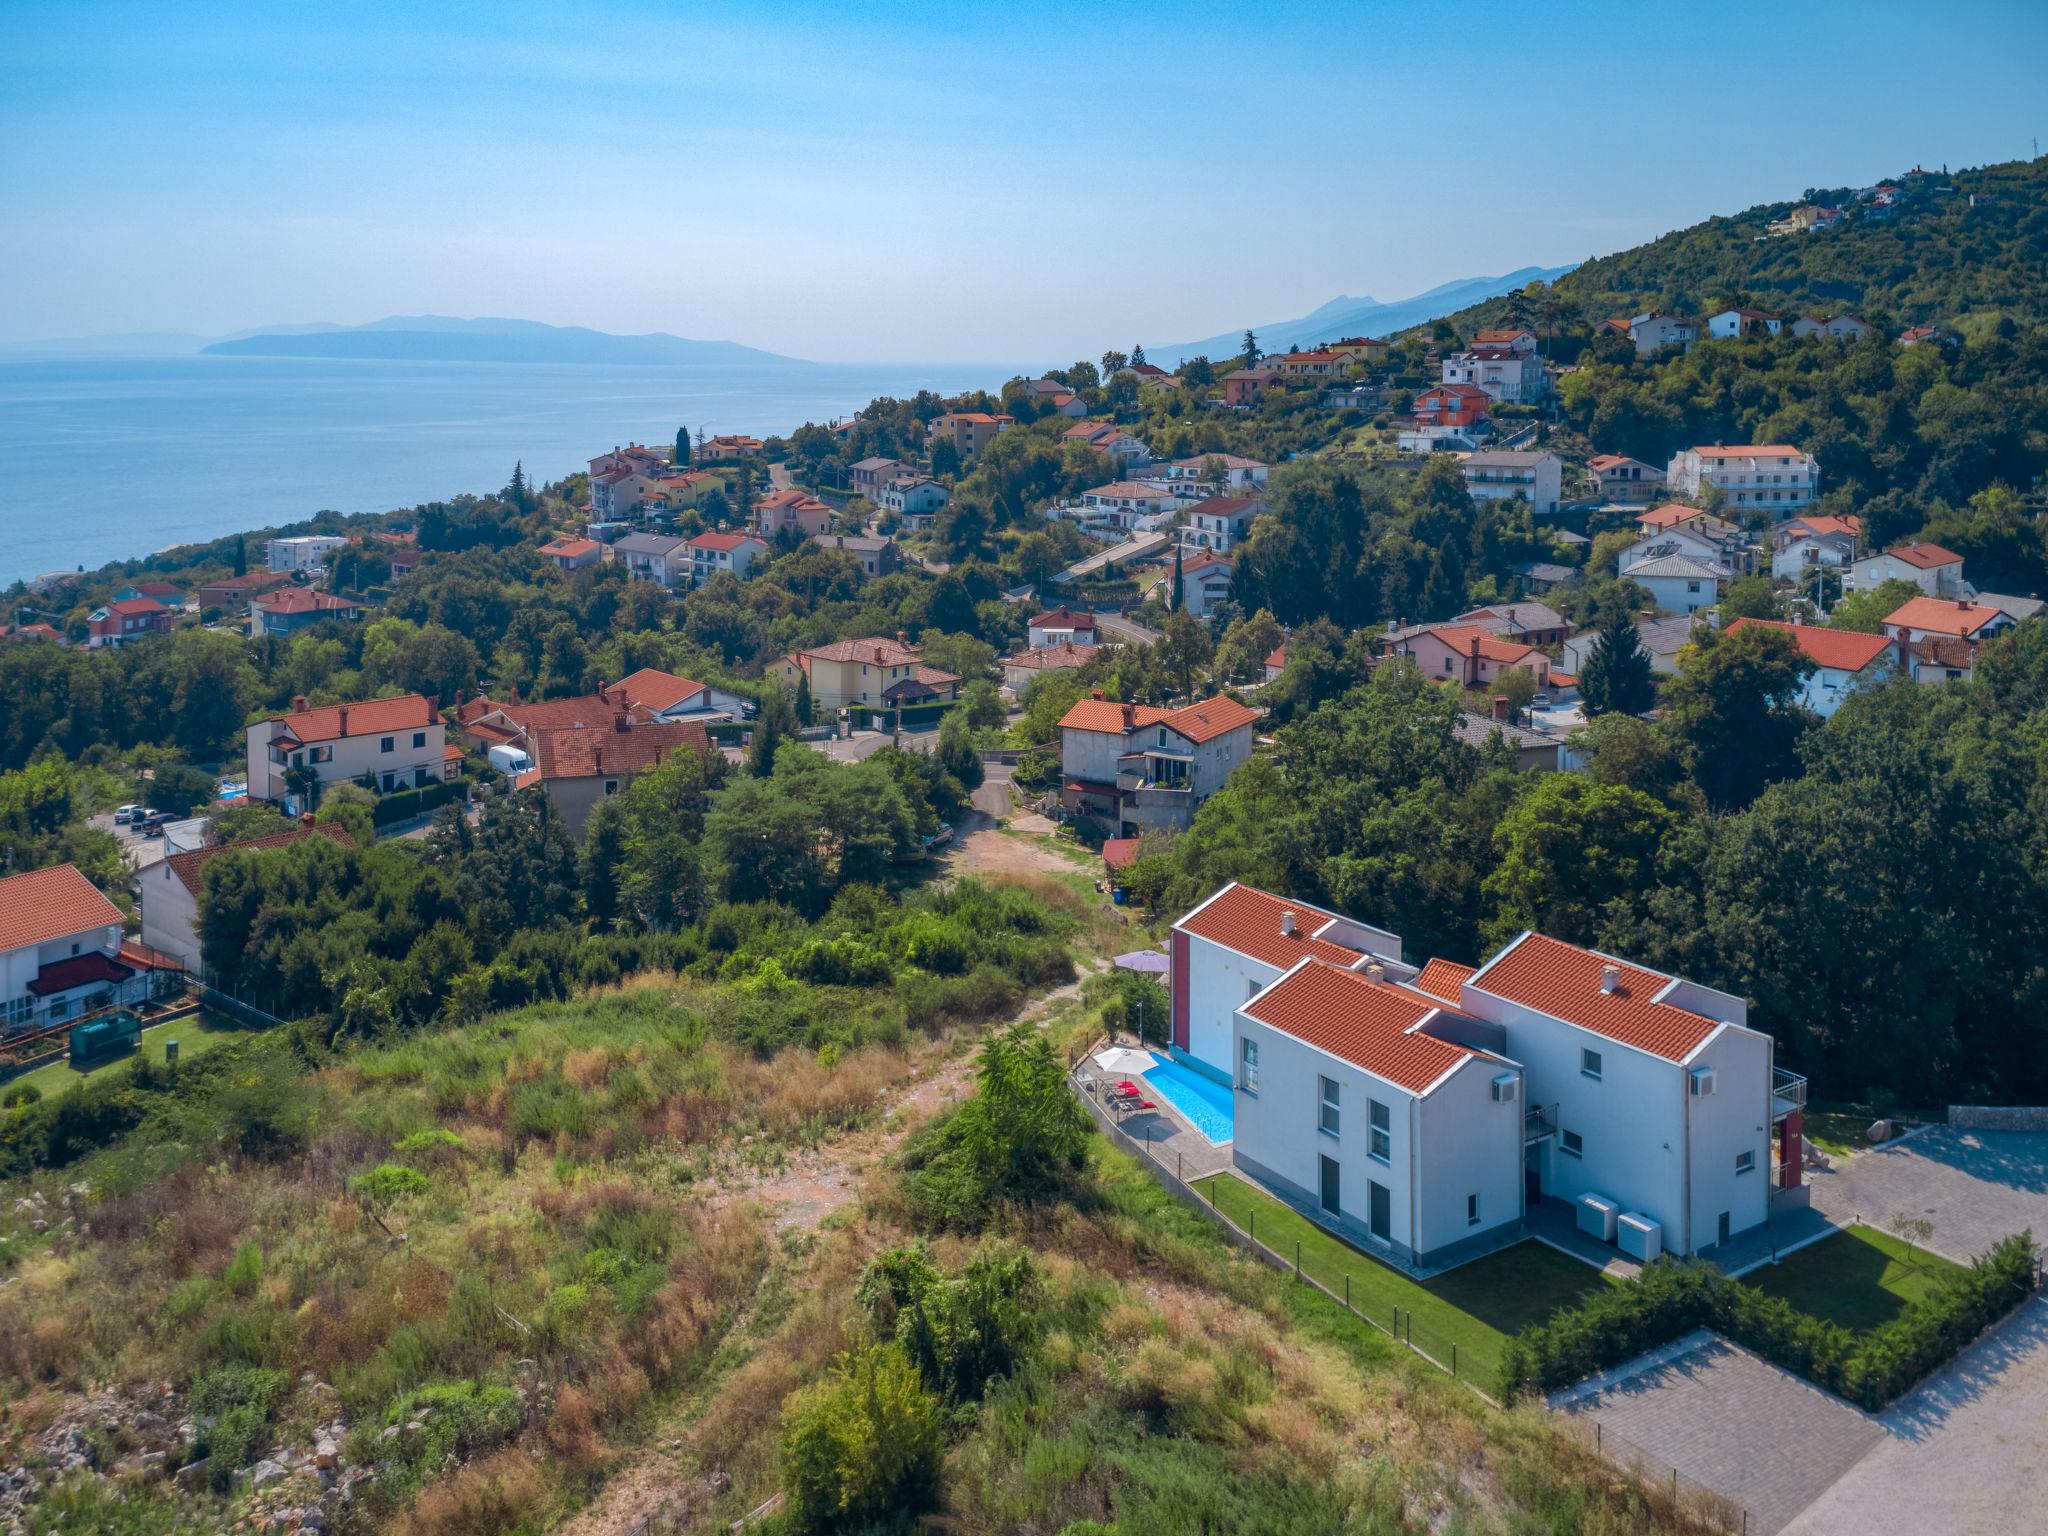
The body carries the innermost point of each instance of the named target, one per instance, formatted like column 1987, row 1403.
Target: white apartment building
column 391, row 743
column 1221, row 522
column 1774, row 476
column 1936, row 571
column 302, row 552
column 1500, row 474
column 1504, row 372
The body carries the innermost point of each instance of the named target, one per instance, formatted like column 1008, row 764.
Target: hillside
column 441, row 338
column 1935, row 260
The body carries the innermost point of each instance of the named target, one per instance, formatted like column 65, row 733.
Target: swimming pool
column 1205, row 1102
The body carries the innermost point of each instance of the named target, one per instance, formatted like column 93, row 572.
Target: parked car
column 154, row 822
column 125, row 814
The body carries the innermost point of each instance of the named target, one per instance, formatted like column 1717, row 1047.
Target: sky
column 928, row 182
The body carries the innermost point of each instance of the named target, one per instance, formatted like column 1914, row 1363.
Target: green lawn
column 1475, row 1306
column 1861, row 1278
column 195, row 1035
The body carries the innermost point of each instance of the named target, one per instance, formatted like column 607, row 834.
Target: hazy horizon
column 917, row 183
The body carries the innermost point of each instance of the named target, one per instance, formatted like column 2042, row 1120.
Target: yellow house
column 878, row 673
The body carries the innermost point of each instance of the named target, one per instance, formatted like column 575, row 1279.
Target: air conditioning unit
column 1597, row 1215
column 1703, row 1082
column 1506, row 1088
column 1639, row 1236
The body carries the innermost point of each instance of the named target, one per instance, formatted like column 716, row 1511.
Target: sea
column 113, row 458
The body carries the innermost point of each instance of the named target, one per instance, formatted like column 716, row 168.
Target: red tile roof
column 1066, row 656
column 190, row 867
column 1460, row 637
column 723, row 542
column 583, row 752
column 1248, row 921
column 1063, row 618
column 372, row 717
column 1850, row 524
column 1363, row 1022
column 134, row 607
column 1564, row 981
column 570, row 549
column 1442, row 978
column 1940, row 616
column 78, row 971
column 1197, row 722
column 1668, row 515
column 1846, row 650
column 657, row 690
column 304, row 600
column 1925, row 557
column 1107, row 716
column 1120, row 852
column 874, row 650
column 47, row 904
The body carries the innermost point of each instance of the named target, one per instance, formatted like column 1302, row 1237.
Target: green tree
column 1184, row 649
column 1617, row 677
column 861, row 1449
column 1865, row 612
column 1176, row 597
column 1565, row 849
column 682, row 453
column 1734, row 709
column 945, row 458
column 1750, row 597
column 1250, row 350
column 601, row 862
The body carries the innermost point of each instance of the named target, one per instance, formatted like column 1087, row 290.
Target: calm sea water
column 112, row 458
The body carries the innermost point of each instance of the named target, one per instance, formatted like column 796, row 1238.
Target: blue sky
column 918, row 182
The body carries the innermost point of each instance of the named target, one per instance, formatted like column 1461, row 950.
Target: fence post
column 1255, row 1224
column 1178, row 1178
column 1297, row 1259
column 1347, row 1290
column 1597, row 1442
column 1212, row 1194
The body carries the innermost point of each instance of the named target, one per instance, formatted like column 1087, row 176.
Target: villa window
column 1573, row 1145
column 387, row 744
column 1471, row 1210
column 1381, row 1139
column 1589, row 1064
column 1248, row 1071
column 1745, row 1162
column 1329, row 1112
column 419, row 738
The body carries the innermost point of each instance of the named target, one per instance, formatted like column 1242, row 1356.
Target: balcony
column 1788, row 1092
column 1539, row 1123
column 1132, row 781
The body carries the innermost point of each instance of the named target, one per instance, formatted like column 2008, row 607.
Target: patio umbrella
column 1143, row 960
column 1121, row 1058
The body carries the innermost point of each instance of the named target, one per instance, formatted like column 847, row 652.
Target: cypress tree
column 682, row 446
column 1617, row 677
column 1175, row 604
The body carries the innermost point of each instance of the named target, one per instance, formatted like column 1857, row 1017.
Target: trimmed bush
column 1673, row 1297
column 404, row 804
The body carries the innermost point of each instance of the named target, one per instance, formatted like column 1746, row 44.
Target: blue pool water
column 1205, row 1102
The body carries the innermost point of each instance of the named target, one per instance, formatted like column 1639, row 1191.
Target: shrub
column 962, row 1332
column 234, row 1405
column 1673, row 1297
column 388, row 1183
column 456, row 1419
column 21, row 1095
column 244, row 1271
column 863, row 1446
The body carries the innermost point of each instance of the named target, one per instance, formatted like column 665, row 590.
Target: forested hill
column 1935, row 259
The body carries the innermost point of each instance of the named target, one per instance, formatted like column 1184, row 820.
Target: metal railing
column 1695, row 1498
column 1788, row 1086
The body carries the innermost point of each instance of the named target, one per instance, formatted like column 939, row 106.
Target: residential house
column 1916, row 335
column 31, row 632
column 1540, row 576
column 125, row 619
column 1456, row 406
column 1662, row 637
column 1128, row 504
column 572, row 553
column 2011, row 604
column 168, row 891
column 1804, row 219
column 915, row 499
column 676, row 491
column 970, row 431
column 1805, row 543
column 1107, row 437
column 388, row 744
column 1936, row 571
column 1643, row 1088
column 1360, row 349
column 634, row 457
column 1537, row 747
column 287, row 610
column 869, row 476
column 1061, row 626
column 730, row 446
column 1502, row 474
column 1937, row 638
column 1528, row 623
column 1209, row 474
column 1204, row 582
column 661, row 558
column 1702, row 537
column 1734, row 324
column 305, row 552
column 1318, row 364
column 1509, row 371
column 1467, row 655
column 405, row 561
column 1830, row 327
column 862, row 672
column 1238, row 943
column 161, row 591
column 1221, row 522
column 1276, row 663
column 1775, row 476
column 1243, row 386
column 1071, row 406
column 60, row 950
column 1363, row 1100
column 1676, row 582
column 1066, row 656
column 1657, row 330
column 791, row 509
column 876, row 554
column 233, row 594
column 664, row 697
column 1842, row 658
column 1136, row 768
column 718, row 551
column 577, row 766
column 1625, row 480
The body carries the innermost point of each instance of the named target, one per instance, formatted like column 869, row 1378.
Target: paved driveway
column 1974, row 1186
column 1727, row 1420
column 1965, row 1453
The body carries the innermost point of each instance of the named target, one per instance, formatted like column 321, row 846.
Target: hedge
column 404, row 804
column 1673, row 1297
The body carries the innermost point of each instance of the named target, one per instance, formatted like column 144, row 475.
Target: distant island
column 446, row 339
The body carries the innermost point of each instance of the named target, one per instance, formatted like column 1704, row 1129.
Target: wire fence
column 1373, row 1292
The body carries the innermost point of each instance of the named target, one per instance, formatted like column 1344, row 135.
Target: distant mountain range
column 414, row 338
column 1359, row 316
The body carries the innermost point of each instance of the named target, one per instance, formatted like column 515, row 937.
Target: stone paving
column 1756, row 1435
column 1974, row 1186
column 1164, row 1134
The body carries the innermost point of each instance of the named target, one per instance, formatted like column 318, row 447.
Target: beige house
column 579, row 765
column 971, row 431
column 392, row 743
column 874, row 672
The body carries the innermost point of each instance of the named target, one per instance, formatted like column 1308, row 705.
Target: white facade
column 1678, row 584
column 1936, row 577
column 1779, row 479
column 303, row 552
column 393, row 747
column 1498, row 475
column 1732, row 324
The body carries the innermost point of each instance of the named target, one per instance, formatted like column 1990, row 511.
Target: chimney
column 1287, row 922
column 622, row 722
column 298, row 703
column 1610, row 978
column 1095, row 694
column 461, row 697
column 306, row 819
column 1130, row 718
column 903, row 637
column 1475, row 647
column 597, row 757
column 1500, row 706
column 1376, row 973
column 344, row 719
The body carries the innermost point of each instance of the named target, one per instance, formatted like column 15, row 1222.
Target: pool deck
column 1167, row 1133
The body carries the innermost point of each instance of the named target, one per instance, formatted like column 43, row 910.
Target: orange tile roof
column 132, row 607
column 874, row 650
column 304, row 600
column 1940, row 616
column 1563, row 981
column 372, row 717
column 1668, row 515
column 1846, row 650
column 1247, row 921
column 1066, row 656
column 1363, row 1022
column 723, row 542
column 1209, row 719
column 1107, row 716
column 584, row 752
column 570, row 548
column 47, row 904
column 1063, row 618
column 1442, row 978
column 657, row 690
column 1849, row 524
column 1924, row 556
column 1491, row 646
column 190, row 867
column 1120, row 852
